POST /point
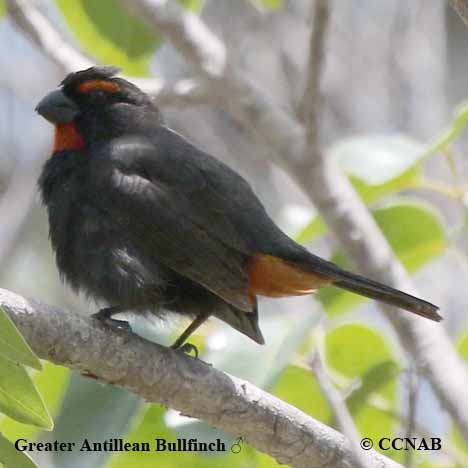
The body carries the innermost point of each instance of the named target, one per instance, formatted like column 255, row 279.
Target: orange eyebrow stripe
column 103, row 85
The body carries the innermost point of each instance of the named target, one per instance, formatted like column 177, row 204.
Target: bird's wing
column 183, row 207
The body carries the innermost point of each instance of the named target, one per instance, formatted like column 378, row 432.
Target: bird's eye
column 104, row 86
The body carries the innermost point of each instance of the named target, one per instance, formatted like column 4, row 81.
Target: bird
column 142, row 220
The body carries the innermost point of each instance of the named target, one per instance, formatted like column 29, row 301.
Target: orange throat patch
column 67, row 137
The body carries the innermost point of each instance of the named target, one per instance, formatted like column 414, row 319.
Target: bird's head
column 97, row 105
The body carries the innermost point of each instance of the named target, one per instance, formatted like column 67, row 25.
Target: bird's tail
column 304, row 273
column 380, row 292
column 369, row 288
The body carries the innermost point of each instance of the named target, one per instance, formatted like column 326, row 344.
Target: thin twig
column 312, row 100
column 461, row 7
column 340, row 411
column 413, row 385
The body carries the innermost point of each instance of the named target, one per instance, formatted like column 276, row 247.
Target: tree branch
column 196, row 389
column 40, row 30
column 299, row 152
column 197, row 43
column 365, row 244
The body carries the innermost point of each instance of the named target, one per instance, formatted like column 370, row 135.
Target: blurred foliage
column 270, row 4
column 118, row 38
column 453, row 131
column 2, row 8
column 455, row 436
column 193, row 5
column 378, row 166
column 433, row 465
column 371, row 364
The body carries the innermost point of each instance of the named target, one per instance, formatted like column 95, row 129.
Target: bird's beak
column 57, row 108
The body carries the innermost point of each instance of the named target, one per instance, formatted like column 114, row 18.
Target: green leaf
column 193, row 5
column 432, row 465
column 377, row 166
column 267, row 4
column 2, row 8
column 373, row 193
column 271, row 4
column 372, row 381
column 459, row 122
column 12, row 458
column 372, row 363
column 377, row 159
column 415, row 233
column 12, row 344
column 314, row 229
column 108, row 32
column 299, row 387
column 368, row 347
column 462, row 345
column 52, row 383
column 19, row 397
column 148, row 425
column 414, row 230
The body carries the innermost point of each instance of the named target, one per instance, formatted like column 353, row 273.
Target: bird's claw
column 187, row 348
column 105, row 317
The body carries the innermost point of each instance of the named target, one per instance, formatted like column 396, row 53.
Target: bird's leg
column 105, row 316
column 180, row 342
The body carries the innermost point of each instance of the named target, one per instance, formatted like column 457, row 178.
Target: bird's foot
column 105, row 316
column 187, row 348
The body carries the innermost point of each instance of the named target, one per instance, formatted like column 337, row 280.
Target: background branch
column 461, row 7
column 339, row 409
column 196, row 42
column 40, row 30
column 196, row 389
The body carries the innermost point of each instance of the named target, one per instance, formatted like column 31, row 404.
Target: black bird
column 142, row 219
